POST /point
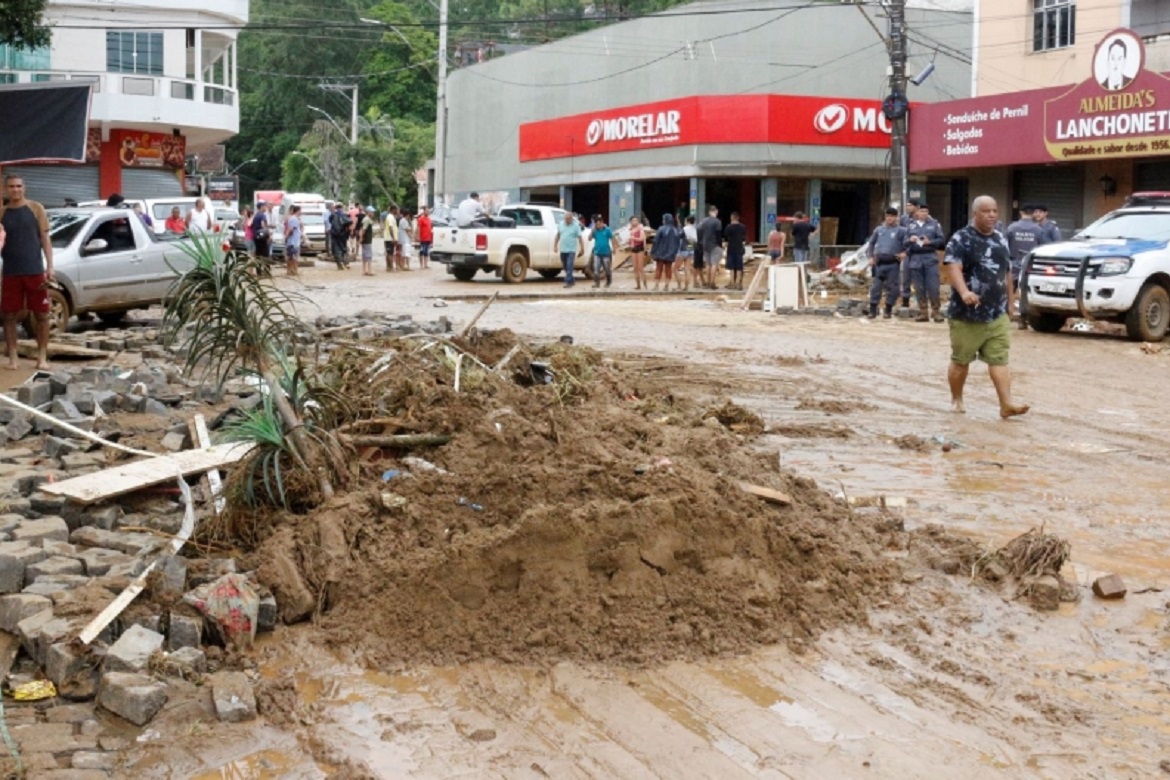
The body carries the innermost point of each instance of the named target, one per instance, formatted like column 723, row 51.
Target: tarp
column 43, row 122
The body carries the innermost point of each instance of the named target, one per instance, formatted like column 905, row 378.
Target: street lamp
column 354, row 110
column 320, row 172
column 333, row 122
column 241, row 165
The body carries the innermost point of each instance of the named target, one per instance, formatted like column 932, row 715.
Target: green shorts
column 988, row 341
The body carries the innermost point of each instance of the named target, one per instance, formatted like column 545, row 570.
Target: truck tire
column 1046, row 323
column 549, row 273
column 515, row 267
column 463, row 274
column 59, row 314
column 1150, row 315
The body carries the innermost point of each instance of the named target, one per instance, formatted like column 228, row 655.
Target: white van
column 312, row 217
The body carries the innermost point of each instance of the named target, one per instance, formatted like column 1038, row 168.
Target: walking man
column 571, row 245
column 604, row 246
column 924, row 237
column 801, row 230
column 736, row 235
column 885, row 260
column 1023, row 236
column 978, row 266
column 27, row 256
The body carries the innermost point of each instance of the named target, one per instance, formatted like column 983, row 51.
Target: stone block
column 151, row 406
column 89, row 760
column 98, row 561
column 1110, row 586
column 15, row 557
column 84, row 402
column 81, row 462
column 30, row 627
column 19, row 427
column 268, row 615
column 132, row 402
column 106, row 400
column 56, row 586
column 15, row 607
column 52, row 547
column 103, row 517
column 42, row 737
column 1044, row 592
column 52, row 567
column 129, row 543
column 135, row 697
column 147, row 621
column 174, row 442
column 36, row 531
column 63, row 663
column 69, row 713
column 192, row 657
column 133, row 650
column 170, row 578
column 10, row 521
column 49, row 504
column 184, row 631
column 34, row 393
column 49, row 633
column 232, row 694
column 64, row 409
column 56, row 447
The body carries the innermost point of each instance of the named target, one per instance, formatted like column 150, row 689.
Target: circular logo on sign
column 831, row 118
column 593, row 132
column 1119, row 57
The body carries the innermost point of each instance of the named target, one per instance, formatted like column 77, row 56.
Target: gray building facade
column 765, row 108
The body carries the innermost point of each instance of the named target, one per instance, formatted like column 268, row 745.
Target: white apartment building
column 164, row 81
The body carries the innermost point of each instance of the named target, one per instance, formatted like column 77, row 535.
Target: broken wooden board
column 27, row 348
column 768, row 494
column 128, row 477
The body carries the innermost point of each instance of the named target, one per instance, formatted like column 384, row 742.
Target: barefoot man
column 979, row 265
column 26, row 273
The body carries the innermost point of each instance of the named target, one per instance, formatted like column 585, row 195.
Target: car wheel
column 464, row 274
column 1046, row 323
column 59, row 314
column 1150, row 315
column 550, row 273
column 112, row 317
column 515, row 268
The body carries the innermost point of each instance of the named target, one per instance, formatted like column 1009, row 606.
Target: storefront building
column 1079, row 147
column 764, row 112
column 163, row 78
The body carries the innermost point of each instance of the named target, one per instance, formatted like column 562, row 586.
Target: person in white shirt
column 198, row 219
column 470, row 212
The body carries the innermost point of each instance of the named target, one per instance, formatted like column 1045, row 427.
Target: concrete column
column 567, row 198
column 698, row 198
column 768, row 194
column 198, row 65
column 814, row 212
column 525, row 195
column 624, row 202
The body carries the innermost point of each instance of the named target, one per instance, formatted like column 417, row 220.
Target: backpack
column 339, row 222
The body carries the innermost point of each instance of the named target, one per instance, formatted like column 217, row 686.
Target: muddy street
column 949, row 677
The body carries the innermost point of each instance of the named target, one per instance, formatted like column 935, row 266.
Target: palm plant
column 231, row 318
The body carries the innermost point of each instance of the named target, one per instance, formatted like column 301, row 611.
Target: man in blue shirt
column 604, row 246
column 570, row 244
column 924, row 237
column 979, row 265
column 885, row 259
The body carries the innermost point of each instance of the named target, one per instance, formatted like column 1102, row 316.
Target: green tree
column 22, row 25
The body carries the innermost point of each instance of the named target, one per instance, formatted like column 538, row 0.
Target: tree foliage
column 22, row 24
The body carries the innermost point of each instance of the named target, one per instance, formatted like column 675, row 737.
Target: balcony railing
column 133, row 84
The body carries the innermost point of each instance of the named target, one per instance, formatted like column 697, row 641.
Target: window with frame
column 1054, row 24
column 12, row 58
column 134, row 52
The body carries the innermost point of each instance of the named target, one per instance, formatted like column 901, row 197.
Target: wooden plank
column 768, row 494
column 128, row 477
column 203, row 439
column 754, row 287
column 28, row 348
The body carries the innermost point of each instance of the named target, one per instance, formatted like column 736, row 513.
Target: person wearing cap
column 1049, row 226
column 924, row 237
column 366, row 234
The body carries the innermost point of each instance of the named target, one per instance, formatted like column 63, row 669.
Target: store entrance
column 847, row 202
column 665, row 196
column 589, row 199
column 740, row 195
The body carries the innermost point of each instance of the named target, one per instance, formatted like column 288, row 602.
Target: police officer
column 885, row 259
column 924, row 237
column 1023, row 236
column 905, row 221
column 1049, row 226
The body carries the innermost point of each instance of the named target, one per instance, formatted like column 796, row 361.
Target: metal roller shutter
column 1152, row 176
column 143, row 183
column 1059, row 189
column 50, row 185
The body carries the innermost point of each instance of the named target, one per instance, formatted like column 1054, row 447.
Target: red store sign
column 1123, row 110
column 717, row 119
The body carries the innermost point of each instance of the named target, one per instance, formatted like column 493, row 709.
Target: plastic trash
column 461, row 501
column 390, row 474
column 34, row 691
column 231, row 604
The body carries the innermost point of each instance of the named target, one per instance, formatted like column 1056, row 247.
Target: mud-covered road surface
column 952, row 680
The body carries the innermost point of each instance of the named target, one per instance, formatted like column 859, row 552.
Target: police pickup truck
column 1116, row 270
column 521, row 238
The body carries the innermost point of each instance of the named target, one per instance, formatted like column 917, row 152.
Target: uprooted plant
column 231, row 319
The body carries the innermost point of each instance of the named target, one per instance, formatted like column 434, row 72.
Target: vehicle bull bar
column 1078, row 287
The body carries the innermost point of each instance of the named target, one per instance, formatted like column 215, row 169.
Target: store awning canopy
column 43, row 122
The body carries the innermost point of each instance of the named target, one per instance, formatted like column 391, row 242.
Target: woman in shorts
column 638, row 252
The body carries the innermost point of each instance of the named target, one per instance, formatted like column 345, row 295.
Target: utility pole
column 896, row 104
column 441, row 118
column 353, row 127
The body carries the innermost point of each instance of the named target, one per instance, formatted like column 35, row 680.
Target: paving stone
column 63, row 662
column 15, row 607
column 233, row 697
column 89, row 728
column 49, row 504
column 57, row 585
column 151, row 406
column 49, row 633
column 71, row 774
column 174, row 442
column 56, row 447
column 15, row 558
column 42, row 737
column 269, row 612
column 10, row 521
column 29, row 629
column 170, row 578
column 87, row 760
column 59, row 382
column 19, row 427
column 132, row 402
column 1110, row 586
column 83, row 401
column 122, row 541
column 1044, row 592
column 98, row 560
column 52, row 567
column 135, row 697
column 69, row 713
column 39, row 530
column 133, row 650
column 192, row 657
column 184, row 631
column 106, row 400
column 53, row 547
column 64, row 409
column 83, row 461
column 34, row 393
column 103, row 517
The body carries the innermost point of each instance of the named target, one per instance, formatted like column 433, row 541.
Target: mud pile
column 585, row 508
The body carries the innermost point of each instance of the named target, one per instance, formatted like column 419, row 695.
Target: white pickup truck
column 1117, row 270
column 530, row 244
